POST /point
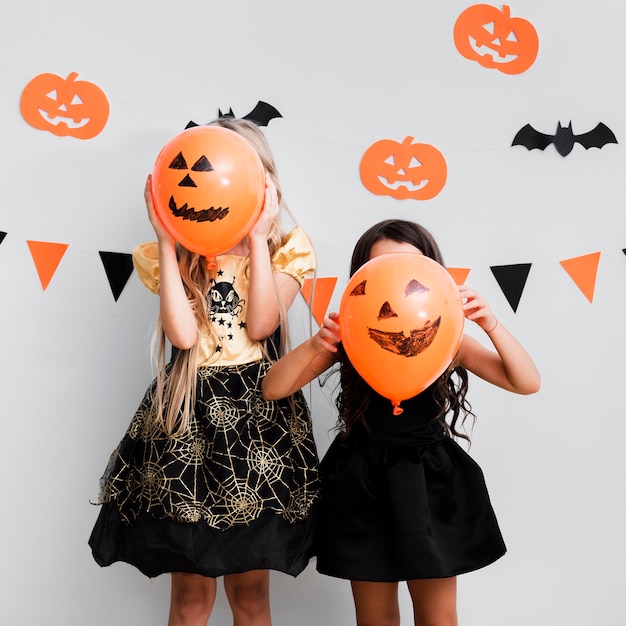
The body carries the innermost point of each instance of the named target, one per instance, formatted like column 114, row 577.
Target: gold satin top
column 228, row 295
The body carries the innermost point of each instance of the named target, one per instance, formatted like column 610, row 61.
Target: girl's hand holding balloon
column 328, row 335
column 269, row 213
column 162, row 234
column 477, row 309
column 306, row 362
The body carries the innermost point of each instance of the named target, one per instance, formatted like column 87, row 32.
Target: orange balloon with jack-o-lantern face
column 401, row 323
column 208, row 187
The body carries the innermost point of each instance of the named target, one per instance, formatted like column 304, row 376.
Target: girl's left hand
column 477, row 309
column 269, row 212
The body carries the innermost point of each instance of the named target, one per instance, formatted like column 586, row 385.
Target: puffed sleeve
column 296, row 256
column 146, row 262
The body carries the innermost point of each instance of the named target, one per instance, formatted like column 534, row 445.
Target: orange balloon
column 208, row 186
column 401, row 321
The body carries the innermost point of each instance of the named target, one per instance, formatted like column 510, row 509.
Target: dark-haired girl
column 401, row 500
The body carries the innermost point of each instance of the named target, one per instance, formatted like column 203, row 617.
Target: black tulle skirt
column 236, row 492
column 403, row 510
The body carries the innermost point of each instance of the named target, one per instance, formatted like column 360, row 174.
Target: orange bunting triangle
column 47, row 257
column 459, row 274
column 583, row 271
column 322, row 293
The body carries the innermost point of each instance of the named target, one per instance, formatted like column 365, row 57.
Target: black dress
column 235, row 492
column 403, row 501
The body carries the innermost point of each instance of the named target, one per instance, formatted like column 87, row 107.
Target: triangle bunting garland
column 583, row 271
column 318, row 292
column 322, row 289
column 47, row 257
column 512, row 280
column 118, row 267
column 459, row 274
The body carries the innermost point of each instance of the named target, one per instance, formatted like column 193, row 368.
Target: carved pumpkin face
column 208, row 186
column 403, row 170
column 64, row 106
column 401, row 323
column 493, row 38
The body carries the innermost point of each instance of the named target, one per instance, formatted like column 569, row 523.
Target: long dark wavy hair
column 449, row 390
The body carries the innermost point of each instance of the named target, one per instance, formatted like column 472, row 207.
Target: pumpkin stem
column 506, row 10
column 408, row 141
column 72, row 76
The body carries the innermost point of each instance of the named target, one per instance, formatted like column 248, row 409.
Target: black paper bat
column 262, row 114
column 564, row 138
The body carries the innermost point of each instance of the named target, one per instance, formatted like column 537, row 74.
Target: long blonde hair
column 175, row 390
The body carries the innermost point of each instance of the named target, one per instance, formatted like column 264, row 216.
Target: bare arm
column 304, row 363
column 177, row 317
column 509, row 366
column 268, row 291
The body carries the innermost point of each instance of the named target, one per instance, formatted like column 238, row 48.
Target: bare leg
column 249, row 597
column 434, row 601
column 191, row 600
column 376, row 604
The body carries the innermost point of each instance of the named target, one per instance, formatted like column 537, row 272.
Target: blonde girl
column 210, row 478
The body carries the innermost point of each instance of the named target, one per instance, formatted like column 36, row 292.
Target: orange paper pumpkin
column 403, row 170
column 64, row 106
column 401, row 321
column 493, row 38
column 208, row 186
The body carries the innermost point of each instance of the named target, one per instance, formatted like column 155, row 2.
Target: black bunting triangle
column 118, row 267
column 2, row 236
column 512, row 279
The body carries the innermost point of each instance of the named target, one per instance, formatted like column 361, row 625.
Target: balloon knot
column 397, row 409
column 210, row 263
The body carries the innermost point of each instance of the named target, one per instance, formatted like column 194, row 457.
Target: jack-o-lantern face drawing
column 208, row 186
column 403, row 170
column 401, row 323
column 494, row 39
column 64, row 106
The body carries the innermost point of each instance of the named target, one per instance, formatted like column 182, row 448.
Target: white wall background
column 343, row 74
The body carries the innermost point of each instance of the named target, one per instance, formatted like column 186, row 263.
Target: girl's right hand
column 328, row 335
column 162, row 235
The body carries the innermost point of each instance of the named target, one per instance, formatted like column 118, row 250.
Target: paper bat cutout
column 564, row 138
column 262, row 114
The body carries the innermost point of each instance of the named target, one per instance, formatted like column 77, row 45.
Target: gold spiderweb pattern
column 242, row 455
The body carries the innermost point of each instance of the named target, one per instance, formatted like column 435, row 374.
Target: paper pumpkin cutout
column 491, row 37
column 403, row 170
column 208, row 186
column 401, row 319
column 64, row 106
